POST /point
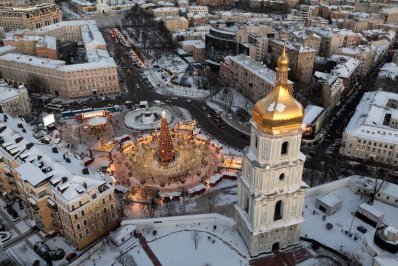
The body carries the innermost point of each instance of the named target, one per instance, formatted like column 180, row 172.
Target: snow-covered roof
column 355, row 50
column 368, row 119
column 346, row 65
column 215, row 178
column 371, row 209
column 255, row 67
column 298, row 47
column 6, row 49
column 45, row 161
column 312, row 112
column 197, row 188
column 329, row 199
column 389, row 70
column 8, row 92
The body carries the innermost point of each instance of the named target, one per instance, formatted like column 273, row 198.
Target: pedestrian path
column 148, row 250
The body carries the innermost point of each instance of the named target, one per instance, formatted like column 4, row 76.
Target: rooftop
column 369, row 117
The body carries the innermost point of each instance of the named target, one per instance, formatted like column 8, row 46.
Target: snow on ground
column 24, row 255
column 22, row 226
column 314, row 226
column 181, row 243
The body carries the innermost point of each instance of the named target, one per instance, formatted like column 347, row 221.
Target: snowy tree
column 379, row 177
column 195, row 238
column 229, row 100
column 211, row 200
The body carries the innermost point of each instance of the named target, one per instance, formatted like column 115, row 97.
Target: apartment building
column 346, row 68
column 83, row 6
column 331, row 87
column 97, row 76
column 251, row 78
column 372, row 133
column 30, row 17
column 25, row 43
column 58, row 193
column 364, row 54
column 203, row 10
column 390, row 15
column 216, row 3
column 302, row 59
column 14, row 100
column 165, row 12
column 308, row 39
column 174, row 24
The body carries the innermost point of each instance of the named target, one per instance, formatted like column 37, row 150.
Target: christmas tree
column 166, row 152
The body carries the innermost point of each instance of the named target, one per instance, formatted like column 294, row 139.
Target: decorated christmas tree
column 166, row 152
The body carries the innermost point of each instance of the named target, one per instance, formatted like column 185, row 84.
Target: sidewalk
column 234, row 122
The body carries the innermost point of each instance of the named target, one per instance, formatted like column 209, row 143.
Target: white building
column 372, row 133
column 15, row 101
column 270, row 190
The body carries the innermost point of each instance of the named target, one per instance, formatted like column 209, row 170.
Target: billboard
column 48, row 120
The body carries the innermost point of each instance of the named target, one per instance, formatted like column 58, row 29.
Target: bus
column 55, row 107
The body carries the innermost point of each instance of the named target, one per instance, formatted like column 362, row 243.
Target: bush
column 154, row 232
column 215, row 227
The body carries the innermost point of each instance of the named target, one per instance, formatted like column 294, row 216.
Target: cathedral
column 270, row 189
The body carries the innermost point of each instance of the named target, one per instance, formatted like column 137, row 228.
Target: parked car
column 71, row 256
column 362, row 229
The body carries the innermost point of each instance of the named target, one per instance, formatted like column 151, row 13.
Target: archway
column 275, row 247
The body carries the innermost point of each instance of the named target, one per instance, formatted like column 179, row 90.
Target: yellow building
column 174, row 24
column 31, row 17
column 58, row 192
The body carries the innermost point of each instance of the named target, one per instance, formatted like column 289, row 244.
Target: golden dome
column 279, row 112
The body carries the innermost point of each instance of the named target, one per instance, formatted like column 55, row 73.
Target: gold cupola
column 279, row 112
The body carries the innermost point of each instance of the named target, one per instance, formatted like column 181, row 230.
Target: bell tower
column 270, row 188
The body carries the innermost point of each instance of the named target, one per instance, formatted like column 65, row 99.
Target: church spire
column 282, row 70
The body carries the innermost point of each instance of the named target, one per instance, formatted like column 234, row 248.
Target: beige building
column 199, row 51
column 204, row 10
column 390, row 15
column 248, row 76
column 15, row 100
column 30, row 17
column 165, row 12
column 302, row 59
column 82, row 6
column 174, row 24
column 270, row 188
column 364, row 54
column 56, row 191
column 330, row 41
column 372, row 133
column 26, row 43
column 97, row 76
column 331, row 87
column 308, row 39
column 216, row 3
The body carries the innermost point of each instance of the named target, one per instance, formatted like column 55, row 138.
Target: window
column 82, row 212
column 80, row 235
column 78, row 226
column 103, row 201
column 255, row 141
column 105, row 210
column 278, row 211
column 111, row 206
column 282, row 177
column 76, row 217
column 87, row 232
column 85, row 222
column 284, row 149
column 246, row 205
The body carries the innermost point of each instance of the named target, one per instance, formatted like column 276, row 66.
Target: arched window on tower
column 278, row 214
column 256, row 142
column 284, row 148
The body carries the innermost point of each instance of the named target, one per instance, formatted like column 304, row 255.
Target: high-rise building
column 270, row 189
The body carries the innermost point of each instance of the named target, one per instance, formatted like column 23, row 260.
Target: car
column 204, row 108
column 188, row 100
column 362, row 229
column 71, row 256
column 174, row 98
column 208, row 115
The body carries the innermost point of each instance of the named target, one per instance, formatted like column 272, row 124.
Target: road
column 228, row 135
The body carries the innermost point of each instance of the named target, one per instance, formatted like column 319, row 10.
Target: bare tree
column 37, row 84
column 126, row 260
column 184, row 195
column 195, row 238
column 170, row 207
column 229, row 100
column 379, row 177
column 247, row 106
column 149, row 204
column 211, row 200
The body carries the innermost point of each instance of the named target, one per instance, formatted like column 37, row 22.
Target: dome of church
column 279, row 112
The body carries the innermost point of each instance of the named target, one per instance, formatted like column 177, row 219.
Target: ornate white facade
column 270, row 189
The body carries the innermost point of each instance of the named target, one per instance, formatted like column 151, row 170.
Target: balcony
column 33, row 204
column 52, row 205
